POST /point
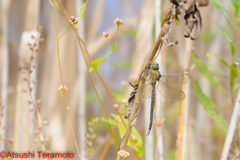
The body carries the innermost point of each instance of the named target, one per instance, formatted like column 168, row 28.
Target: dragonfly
column 165, row 84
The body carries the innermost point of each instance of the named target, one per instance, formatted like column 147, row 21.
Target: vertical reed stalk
column 4, row 68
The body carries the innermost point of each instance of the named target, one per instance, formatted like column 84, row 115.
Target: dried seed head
column 30, row 102
column 30, row 89
column 34, row 121
column 30, row 110
column 31, row 58
column 34, row 66
column 34, row 81
column 39, row 101
column 4, row 127
column 24, row 90
column 32, row 36
column 34, row 44
column 23, row 71
column 1, row 115
column 2, row 107
column 30, row 71
column 37, row 50
column 25, row 79
column 41, row 39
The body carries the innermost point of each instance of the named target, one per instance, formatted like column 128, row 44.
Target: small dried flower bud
column 23, row 71
column 32, row 36
column 30, row 48
column 34, row 81
column 30, row 71
column 35, row 140
column 40, row 128
column 34, row 44
column 2, row 107
column 29, row 102
column 1, row 115
column 4, row 139
column 30, row 89
column 30, row 110
column 37, row 50
column 73, row 20
column 25, row 79
column 39, row 28
column 41, row 39
column 34, row 121
column 46, row 123
column 31, row 58
column 36, row 132
column 29, row 44
column 26, row 64
column 34, row 66
column 4, row 127
column 24, row 90
column 10, row 140
column 39, row 101
column 135, row 138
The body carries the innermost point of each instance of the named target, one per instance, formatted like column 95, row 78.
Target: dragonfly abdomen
column 152, row 108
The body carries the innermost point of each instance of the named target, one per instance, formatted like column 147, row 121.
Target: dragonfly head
column 155, row 66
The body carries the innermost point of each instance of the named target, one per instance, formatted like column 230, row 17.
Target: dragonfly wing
column 170, row 92
column 145, row 90
column 175, row 80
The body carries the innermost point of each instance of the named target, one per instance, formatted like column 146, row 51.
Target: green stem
column 65, row 31
column 65, row 95
column 101, row 103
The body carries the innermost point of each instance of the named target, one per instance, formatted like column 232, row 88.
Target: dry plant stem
column 104, row 110
column 107, row 90
column 181, row 127
column 65, row 95
column 142, row 81
column 30, row 94
column 231, row 128
column 104, row 152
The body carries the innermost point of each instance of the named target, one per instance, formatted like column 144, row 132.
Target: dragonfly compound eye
column 155, row 67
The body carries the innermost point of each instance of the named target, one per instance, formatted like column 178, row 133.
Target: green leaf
column 134, row 132
column 218, row 4
column 235, row 5
column 233, row 48
column 91, row 97
column 132, row 32
column 209, row 55
column 109, row 120
column 219, row 70
column 233, row 73
column 121, row 64
column 207, row 73
column 210, row 108
column 236, row 87
column 95, row 63
column 208, row 35
column 82, row 11
column 238, row 26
